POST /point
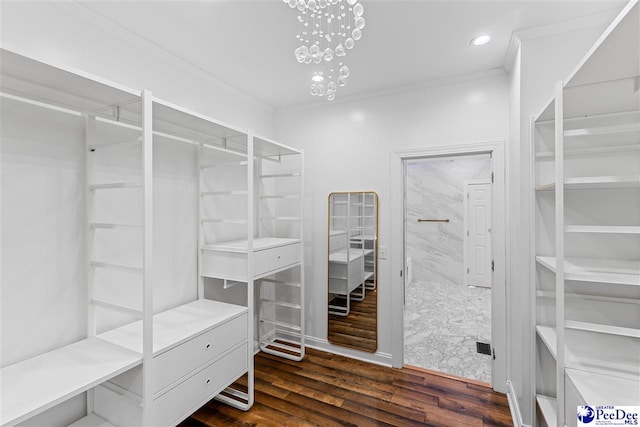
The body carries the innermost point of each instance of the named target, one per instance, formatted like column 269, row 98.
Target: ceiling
column 249, row 44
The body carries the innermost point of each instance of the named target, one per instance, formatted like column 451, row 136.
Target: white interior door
column 478, row 237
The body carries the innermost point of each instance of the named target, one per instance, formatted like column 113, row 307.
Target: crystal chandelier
column 327, row 29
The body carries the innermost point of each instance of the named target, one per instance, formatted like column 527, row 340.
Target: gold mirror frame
column 354, row 325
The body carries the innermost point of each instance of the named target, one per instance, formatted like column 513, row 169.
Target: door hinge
column 400, row 273
column 493, row 266
column 493, row 353
column 467, row 232
column 467, row 271
column 492, row 177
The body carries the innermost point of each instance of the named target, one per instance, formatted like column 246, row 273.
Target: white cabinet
column 586, row 148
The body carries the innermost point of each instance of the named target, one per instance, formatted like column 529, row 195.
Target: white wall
column 347, row 148
column 67, row 33
column 542, row 60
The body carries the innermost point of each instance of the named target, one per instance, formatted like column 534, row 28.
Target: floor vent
column 483, row 348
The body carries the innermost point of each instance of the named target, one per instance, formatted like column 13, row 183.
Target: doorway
column 441, row 272
column 448, row 252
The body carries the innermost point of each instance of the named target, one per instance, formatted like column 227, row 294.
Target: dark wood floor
column 360, row 327
column 329, row 390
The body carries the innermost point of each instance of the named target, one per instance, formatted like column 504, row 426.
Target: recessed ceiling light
column 481, row 40
column 317, row 77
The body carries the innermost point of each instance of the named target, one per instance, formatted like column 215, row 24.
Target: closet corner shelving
column 586, row 199
column 157, row 368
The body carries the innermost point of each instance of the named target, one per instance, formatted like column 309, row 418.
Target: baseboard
column 516, row 415
column 379, row 358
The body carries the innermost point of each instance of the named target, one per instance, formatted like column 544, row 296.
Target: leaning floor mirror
column 353, row 270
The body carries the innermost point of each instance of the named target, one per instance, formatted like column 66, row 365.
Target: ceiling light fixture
column 327, row 29
column 317, row 77
column 481, row 40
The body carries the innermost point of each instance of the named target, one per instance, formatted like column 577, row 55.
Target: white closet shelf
column 591, row 353
column 280, row 218
column 110, row 266
column 112, row 185
column 548, row 336
column 282, row 175
column 622, row 272
column 287, row 196
column 223, row 221
column 224, row 193
column 576, row 152
column 595, row 182
column 603, row 229
column 91, row 420
column 549, row 409
column 603, row 329
column 134, row 142
column 342, row 256
column 223, row 164
column 602, row 130
column 595, row 388
column 44, row 381
column 95, row 225
column 175, row 326
column 241, row 246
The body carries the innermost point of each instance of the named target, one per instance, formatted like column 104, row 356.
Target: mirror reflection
column 353, row 270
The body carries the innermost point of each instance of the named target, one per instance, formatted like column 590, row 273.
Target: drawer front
column 184, row 399
column 174, row 364
column 339, row 241
column 275, row 258
column 224, row 265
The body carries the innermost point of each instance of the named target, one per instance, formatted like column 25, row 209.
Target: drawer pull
column 278, row 256
column 208, row 345
column 208, row 381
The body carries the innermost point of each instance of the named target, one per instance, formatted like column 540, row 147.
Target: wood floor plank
column 331, row 390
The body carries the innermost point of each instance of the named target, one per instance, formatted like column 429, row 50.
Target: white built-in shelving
column 143, row 367
column 586, row 195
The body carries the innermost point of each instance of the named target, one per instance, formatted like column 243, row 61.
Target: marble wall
column 435, row 189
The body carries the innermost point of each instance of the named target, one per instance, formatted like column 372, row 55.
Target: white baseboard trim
column 379, row 358
column 516, row 415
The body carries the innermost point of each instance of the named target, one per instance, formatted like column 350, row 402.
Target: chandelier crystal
column 327, row 30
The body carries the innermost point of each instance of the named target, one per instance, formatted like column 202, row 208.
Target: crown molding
column 412, row 87
column 519, row 36
column 113, row 27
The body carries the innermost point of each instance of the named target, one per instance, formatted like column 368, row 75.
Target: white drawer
column 179, row 402
column 272, row 259
column 177, row 362
column 224, row 265
column 184, row 399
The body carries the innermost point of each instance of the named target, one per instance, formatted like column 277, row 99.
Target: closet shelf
column 288, row 196
column 595, row 388
column 95, row 225
column 599, row 298
column 596, row 182
column 222, row 164
column 596, row 270
column 576, row 152
column 175, row 326
column 137, row 141
column 241, row 246
column 46, row 380
column 548, row 336
column 282, row 324
column 119, row 267
column 603, row 229
column 112, row 185
column 223, row 221
column 281, row 303
column 602, row 130
column 549, row 409
column 281, row 175
column 91, row 420
column 589, row 352
column 280, row 218
column 603, row 329
column 224, row 193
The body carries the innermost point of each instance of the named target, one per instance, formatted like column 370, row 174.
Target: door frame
column 465, row 236
column 499, row 245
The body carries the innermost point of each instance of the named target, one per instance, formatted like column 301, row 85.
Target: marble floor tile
column 442, row 323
